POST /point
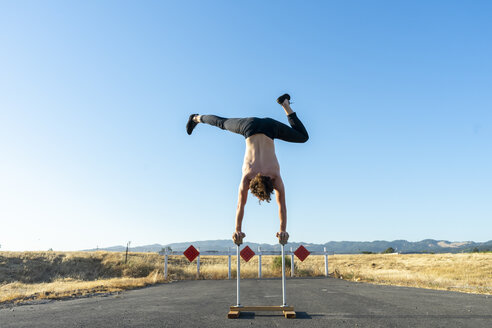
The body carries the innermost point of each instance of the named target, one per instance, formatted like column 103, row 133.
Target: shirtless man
column 261, row 171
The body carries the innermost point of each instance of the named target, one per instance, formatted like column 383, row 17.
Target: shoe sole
column 190, row 126
column 282, row 98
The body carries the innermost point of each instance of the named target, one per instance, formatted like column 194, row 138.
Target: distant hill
column 338, row 247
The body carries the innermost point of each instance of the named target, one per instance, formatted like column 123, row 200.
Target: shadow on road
column 299, row 315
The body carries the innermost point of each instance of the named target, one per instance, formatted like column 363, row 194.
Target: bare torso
column 260, row 157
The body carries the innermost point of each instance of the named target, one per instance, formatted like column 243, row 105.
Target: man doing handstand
column 261, row 171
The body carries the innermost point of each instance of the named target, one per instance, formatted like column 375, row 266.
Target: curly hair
column 262, row 187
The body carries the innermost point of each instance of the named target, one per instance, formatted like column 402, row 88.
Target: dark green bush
column 389, row 250
column 277, row 263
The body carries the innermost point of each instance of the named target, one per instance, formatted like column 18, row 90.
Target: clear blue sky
column 94, row 97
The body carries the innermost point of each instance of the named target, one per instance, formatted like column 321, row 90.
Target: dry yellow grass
column 36, row 275
column 471, row 272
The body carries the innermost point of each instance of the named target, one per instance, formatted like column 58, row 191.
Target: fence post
column 259, row 262
column 229, row 251
column 326, row 263
column 165, row 264
column 198, row 265
column 291, row 263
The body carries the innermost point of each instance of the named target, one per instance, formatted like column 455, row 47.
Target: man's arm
column 282, row 235
column 242, row 198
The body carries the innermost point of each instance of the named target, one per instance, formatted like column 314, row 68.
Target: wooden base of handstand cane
column 235, row 310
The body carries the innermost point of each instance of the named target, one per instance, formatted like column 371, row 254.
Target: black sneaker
column 282, row 98
column 191, row 124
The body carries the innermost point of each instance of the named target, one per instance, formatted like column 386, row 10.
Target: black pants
column 249, row 126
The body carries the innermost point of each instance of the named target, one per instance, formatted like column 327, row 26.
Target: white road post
column 238, row 275
column 326, row 263
column 259, row 262
column 165, row 264
column 283, row 277
column 291, row 263
column 198, row 265
column 229, row 251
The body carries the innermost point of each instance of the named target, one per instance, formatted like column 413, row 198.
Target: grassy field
column 27, row 276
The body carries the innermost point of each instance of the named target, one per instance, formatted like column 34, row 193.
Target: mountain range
column 333, row 247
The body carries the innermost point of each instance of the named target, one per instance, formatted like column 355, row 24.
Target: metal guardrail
column 230, row 253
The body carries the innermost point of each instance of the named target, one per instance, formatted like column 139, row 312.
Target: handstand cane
column 234, row 311
column 238, row 243
column 283, row 275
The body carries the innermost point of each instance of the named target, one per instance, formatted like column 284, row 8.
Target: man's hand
column 237, row 237
column 283, row 237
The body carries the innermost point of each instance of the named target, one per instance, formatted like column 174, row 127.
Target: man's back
column 260, row 157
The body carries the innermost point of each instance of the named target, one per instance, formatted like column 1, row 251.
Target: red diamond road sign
column 302, row 253
column 191, row 253
column 247, row 253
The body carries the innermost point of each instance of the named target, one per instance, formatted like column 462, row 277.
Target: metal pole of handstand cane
column 283, row 277
column 238, row 275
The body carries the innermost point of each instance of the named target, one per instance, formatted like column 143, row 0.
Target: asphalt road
column 319, row 302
